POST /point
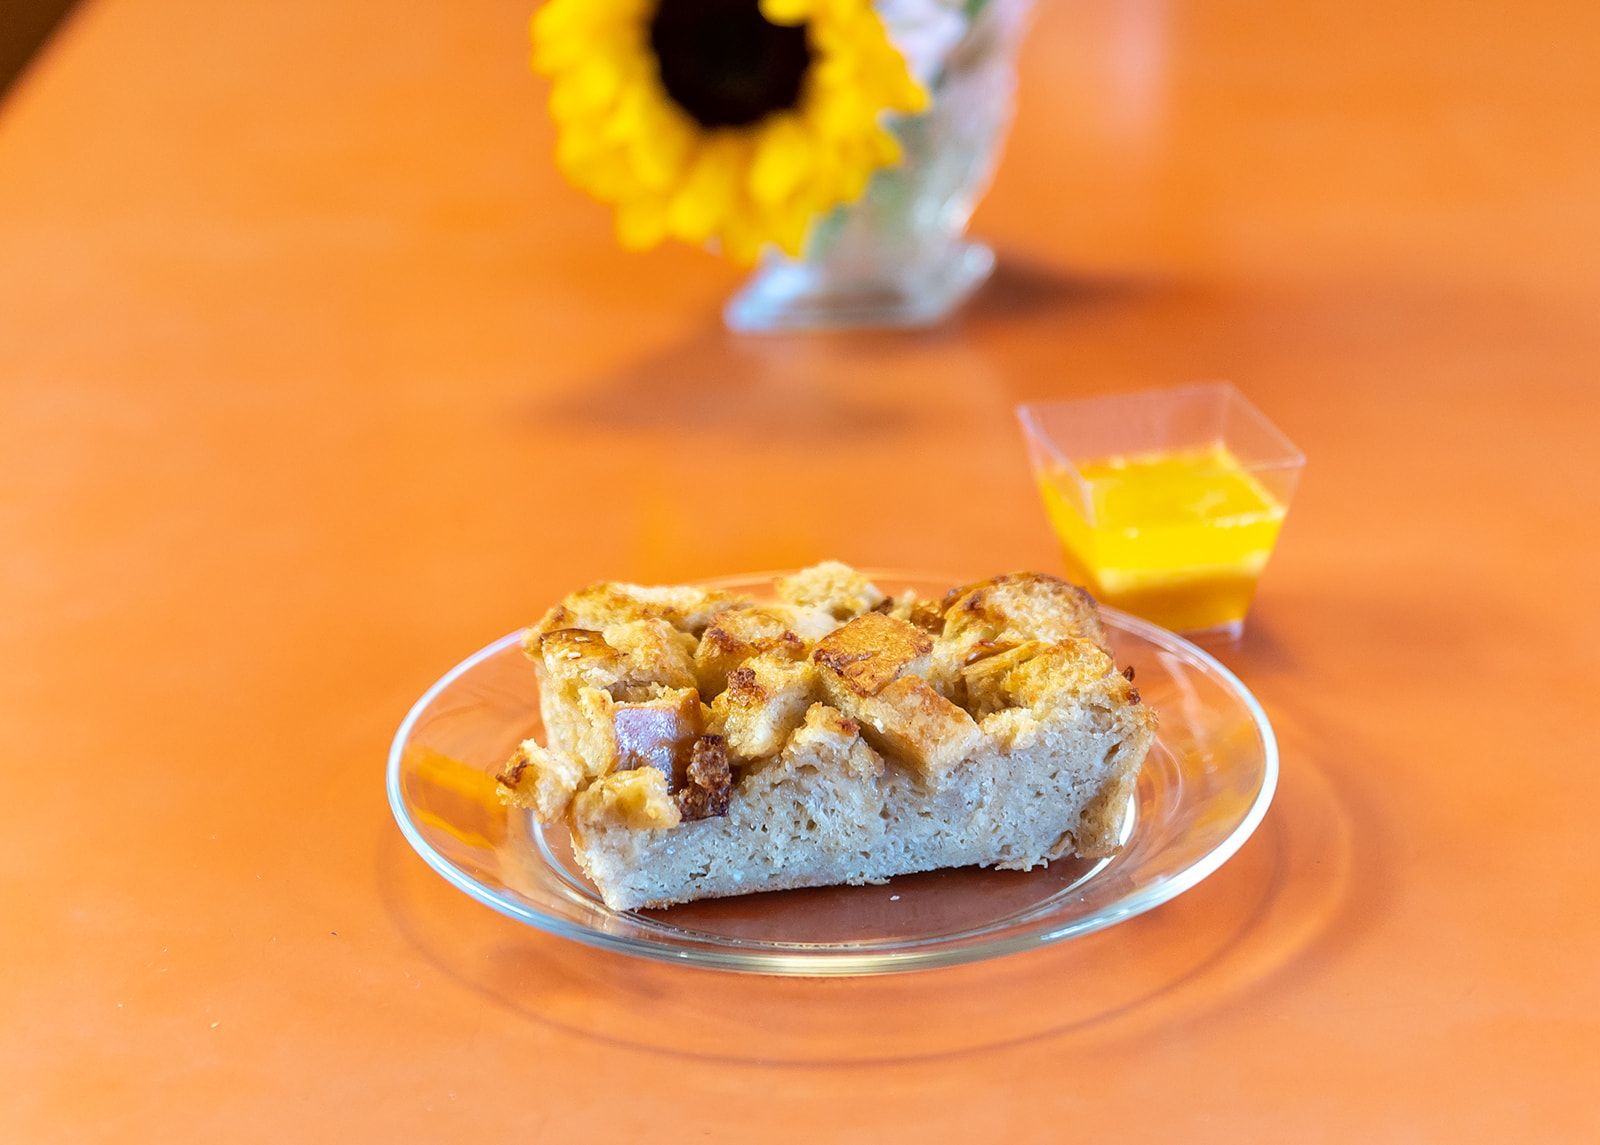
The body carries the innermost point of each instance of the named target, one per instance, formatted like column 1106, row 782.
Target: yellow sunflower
column 731, row 122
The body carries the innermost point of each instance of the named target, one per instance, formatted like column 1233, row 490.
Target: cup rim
column 1287, row 456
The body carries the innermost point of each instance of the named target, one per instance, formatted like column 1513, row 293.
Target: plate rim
column 821, row 961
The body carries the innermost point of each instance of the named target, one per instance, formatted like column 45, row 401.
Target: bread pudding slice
column 701, row 743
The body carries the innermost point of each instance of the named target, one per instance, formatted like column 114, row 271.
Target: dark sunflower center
column 726, row 64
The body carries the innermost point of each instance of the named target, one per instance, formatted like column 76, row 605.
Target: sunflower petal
column 789, row 227
column 707, row 194
column 782, row 160
column 661, row 150
column 741, row 241
column 787, row 12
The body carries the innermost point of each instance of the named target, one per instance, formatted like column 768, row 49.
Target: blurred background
column 337, row 235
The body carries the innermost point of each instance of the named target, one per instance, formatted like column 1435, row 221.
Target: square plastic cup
column 1167, row 502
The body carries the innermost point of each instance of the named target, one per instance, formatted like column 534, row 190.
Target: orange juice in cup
column 1167, row 503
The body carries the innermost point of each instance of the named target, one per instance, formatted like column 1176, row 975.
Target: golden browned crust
column 540, row 779
column 927, row 615
column 686, row 607
column 581, row 655
column 979, row 684
column 1063, row 671
column 765, row 701
column 1021, row 606
column 873, row 651
column 740, row 633
column 908, row 721
column 832, row 586
column 629, row 660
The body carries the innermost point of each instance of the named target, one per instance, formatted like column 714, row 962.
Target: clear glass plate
column 1204, row 788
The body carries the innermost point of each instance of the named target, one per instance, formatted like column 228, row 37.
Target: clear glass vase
column 899, row 255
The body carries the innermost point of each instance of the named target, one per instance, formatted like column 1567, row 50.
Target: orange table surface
column 316, row 378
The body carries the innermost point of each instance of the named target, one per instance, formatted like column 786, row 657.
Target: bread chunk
column 685, row 607
column 1017, row 607
column 909, row 722
column 700, row 743
column 737, row 634
column 636, row 800
column 832, row 586
column 766, row 700
column 1068, row 671
column 654, row 652
column 980, row 683
column 1000, row 616
column 585, row 671
column 624, row 659
column 541, row 780
column 659, row 733
column 873, row 651
column 580, row 657
column 927, row 615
